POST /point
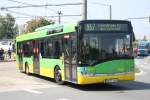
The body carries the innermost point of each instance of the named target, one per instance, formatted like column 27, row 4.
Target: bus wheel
column 57, row 76
column 27, row 69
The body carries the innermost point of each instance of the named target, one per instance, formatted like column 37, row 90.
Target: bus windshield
column 96, row 48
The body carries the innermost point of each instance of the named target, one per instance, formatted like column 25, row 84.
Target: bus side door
column 20, row 55
column 36, row 58
column 70, row 59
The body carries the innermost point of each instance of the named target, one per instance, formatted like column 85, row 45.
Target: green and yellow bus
column 87, row 52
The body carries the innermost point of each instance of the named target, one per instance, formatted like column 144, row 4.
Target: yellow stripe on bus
column 48, row 72
column 101, row 79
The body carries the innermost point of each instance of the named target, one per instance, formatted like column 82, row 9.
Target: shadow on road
column 43, row 78
column 135, row 85
column 122, row 86
column 141, row 57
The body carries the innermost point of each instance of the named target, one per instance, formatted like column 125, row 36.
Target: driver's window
column 119, row 47
column 127, row 45
column 94, row 42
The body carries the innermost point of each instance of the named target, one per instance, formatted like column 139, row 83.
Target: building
column 6, row 44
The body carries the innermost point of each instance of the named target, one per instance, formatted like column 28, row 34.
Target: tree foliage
column 35, row 23
column 8, row 28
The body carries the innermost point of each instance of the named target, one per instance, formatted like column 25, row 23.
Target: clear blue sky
column 121, row 9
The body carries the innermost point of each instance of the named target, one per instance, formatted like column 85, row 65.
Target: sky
column 121, row 9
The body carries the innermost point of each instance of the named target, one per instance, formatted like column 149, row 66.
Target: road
column 18, row 86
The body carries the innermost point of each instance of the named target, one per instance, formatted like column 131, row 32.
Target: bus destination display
column 88, row 27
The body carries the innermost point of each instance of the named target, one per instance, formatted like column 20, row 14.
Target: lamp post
column 110, row 12
column 59, row 16
column 110, row 8
column 84, row 10
column 149, row 18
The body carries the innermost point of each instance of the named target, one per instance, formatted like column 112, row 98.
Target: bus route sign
column 105, row 27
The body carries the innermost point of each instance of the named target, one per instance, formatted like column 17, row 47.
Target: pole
column 59, row 17
column 110, row 12
column 84, row 10
column 149, row 18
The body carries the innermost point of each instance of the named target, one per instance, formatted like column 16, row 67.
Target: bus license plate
column 111, row 80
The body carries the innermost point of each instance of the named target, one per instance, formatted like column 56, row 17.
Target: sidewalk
column 7, row 60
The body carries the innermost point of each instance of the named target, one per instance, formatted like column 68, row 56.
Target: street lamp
column 149, row 18
column 110, row 12
column 84, row 10
column 59, row 16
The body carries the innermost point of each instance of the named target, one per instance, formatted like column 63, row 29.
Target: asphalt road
column 18, row 86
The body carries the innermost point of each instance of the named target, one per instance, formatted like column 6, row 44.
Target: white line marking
column 63, row 99
column 145, row 67
column 33, row 91
column 145, row 63
column 141, row 73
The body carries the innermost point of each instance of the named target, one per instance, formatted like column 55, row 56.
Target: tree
column 2, row 27
column 35, row 23
column 8, row 28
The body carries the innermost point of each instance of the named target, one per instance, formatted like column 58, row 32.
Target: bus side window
column 42, row 49
column 57, row 49
column 18, row 48
column 49, row 49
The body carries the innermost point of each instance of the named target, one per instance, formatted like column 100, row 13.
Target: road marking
column 141, row 73
column 33, row 91
column 63, row 99
column 145, row 67
column 145, row 63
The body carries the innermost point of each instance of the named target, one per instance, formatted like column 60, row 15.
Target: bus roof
column 43, row 31
column 67, row 28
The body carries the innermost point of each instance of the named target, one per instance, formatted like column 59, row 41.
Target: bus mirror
column 134, row 37
column 76, row 28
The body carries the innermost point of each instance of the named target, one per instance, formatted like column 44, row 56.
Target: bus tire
column 27, row 69
column 58, row 76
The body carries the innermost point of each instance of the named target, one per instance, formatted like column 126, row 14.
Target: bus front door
column 36, row 59
column 20, row 56
column 70, row 61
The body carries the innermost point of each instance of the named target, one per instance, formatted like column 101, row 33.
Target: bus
column 143, row 48
column 86, row 52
